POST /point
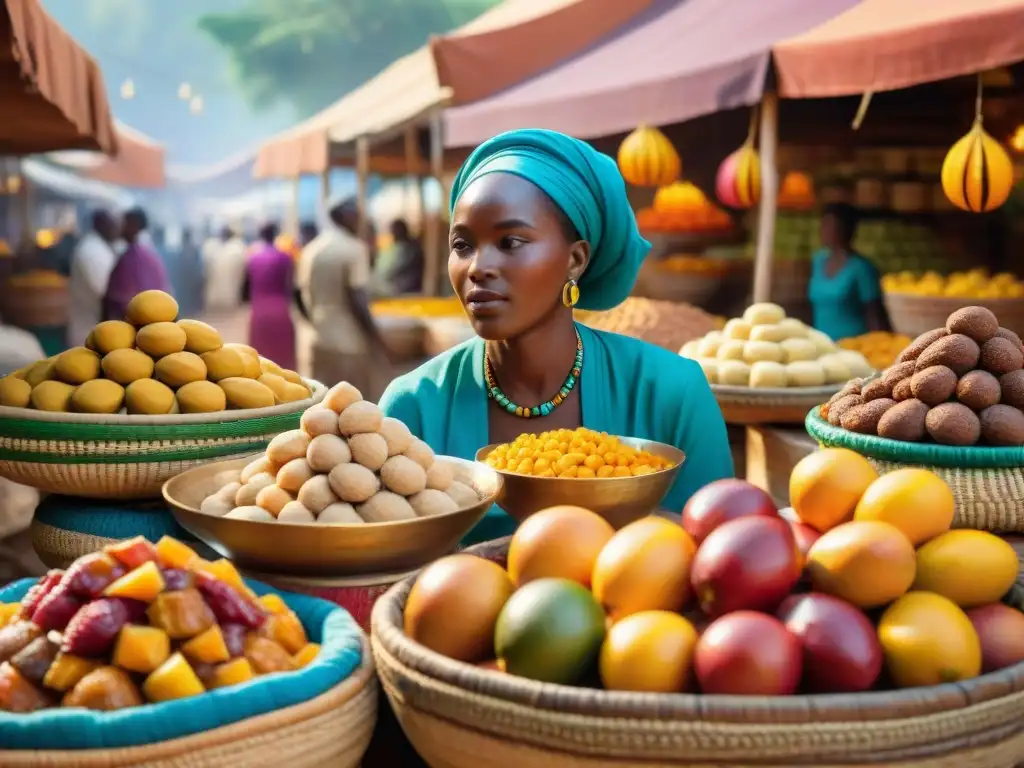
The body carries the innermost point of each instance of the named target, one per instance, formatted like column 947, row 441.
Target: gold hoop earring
column 570, row 293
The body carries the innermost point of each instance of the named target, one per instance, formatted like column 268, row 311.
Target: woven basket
column 913, row 315
column 987, row 483
column 459, row 716
column 29, row 306
column 130, row 457
column 746, row 405
column 724, row 292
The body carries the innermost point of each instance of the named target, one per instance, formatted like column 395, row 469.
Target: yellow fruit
column 141, row 649
column 293, row 393
column 645, row 566
column 148, row 396
column 151, row 307
column 78, row 365
column 174, row 553
column 826, row 485
column 927, row 640
column 305, row 656
column 650, row 651
column 234, row 672
column 276, row 384
column 111, row 335
column 916, row 501
column 52, row 396
column 44, row 370
column 246, row 393
column 200, row 337
column 224, row 363
column 15, row 392
column 977, row 174
column 67, row 670
column 207, row 647
column 174, row 679
column 250, row 360
column 971, row 568
column 201, row 397
column 648, row 159
column 293, row 377
column 98, row 396
column 143, row 583
column 7, row 613
column 274, row 604
column 127, row 365
column 538, row 549
column 180, row 368
column 159, row 339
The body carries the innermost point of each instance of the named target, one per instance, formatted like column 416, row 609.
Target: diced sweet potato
column 225, row 571
column 266, row 656
column 56, row 610
column 106, row 689
column 39, row 590
column 66, row 670
column 141, row 649
column 307, row 653
column 18, row 694
column 178, row 578
column 286, row 630
column 89, row 575
column 174, row 679
column 174, row 554
column 228, row 604
column 208, row 647
column 234, row 638
column 274, row 604
column 34, row 660
column 95, row 627
column 181, row 614
column 8, row 612
column 16, row 636
column 232, row 672
column 132, row 553
column 143, row 583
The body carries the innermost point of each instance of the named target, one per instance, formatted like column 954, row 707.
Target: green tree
column 308, row 53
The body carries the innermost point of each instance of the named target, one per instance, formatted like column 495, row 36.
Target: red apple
column 747, row 654
column 751, row 563
column 841, row 652
column 1001, row 631
column 721, row 501
column 805, row 536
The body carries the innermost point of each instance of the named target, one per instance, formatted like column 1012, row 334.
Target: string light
column 128, row 89
column 195, row 105
column 1017, row 140
column 184, row 91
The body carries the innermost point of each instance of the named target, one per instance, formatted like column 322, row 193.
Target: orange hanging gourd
column 648, row 159
column 977, row 174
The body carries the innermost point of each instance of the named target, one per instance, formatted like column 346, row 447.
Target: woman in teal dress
column 540, row 224
column 844, row 290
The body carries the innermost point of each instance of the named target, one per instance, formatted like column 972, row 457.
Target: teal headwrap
column 588, row 187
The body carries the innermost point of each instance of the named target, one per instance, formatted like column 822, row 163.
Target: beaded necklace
column 494, row 391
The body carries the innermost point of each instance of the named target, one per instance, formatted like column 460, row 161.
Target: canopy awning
column 52, row 94
column 678, row 60
column 881, row 45
column 139, row 164
column 69, row 185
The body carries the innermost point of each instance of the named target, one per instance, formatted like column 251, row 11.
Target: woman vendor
column 844, row 290
column 540, row 224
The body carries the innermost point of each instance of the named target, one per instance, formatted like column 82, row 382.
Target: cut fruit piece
column 36, row 658
column 274, row 604
column 89, row 575
column 7, row 613
column 141, row 649
column 143, row 583
column 57, row 609
column 178, row 578
column 93, row 630
column 133, row 552
column 181, row 614
column 208, row 647
column 234, row 638
column 175, row 554
column 106, row 689
column 66, row 670
column 39, row 590
column 229, row 605
column 18, row 695
column 266, row 656
column 16, row 636
column 286, row 630
column 225, row 571
column 303, row 658
column 174, row 679
column 232, row 672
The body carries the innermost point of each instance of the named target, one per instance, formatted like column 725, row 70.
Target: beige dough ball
column 420, row 452
column 403, row 475
column 341, row 396
column 227, row 476
column 710, row 344
column 316, row 494
column 462, row 494
column 246, row 496
column 229, row 492
column 295, row 512
column 216, row 505
column 709, row 366
column 273, row 498
column 255, row 467
column 294, row 474
column 734, row 373
column 339, row 513
column 325, row 452
column 251, row 513
column 732, row 349
column 429, row 503
column 385, row 507
column 287, row 446
column 360, row 417
column 353, row 483
column 319, row 420
column 369, row 449
column 396, row 434
column 440, row 475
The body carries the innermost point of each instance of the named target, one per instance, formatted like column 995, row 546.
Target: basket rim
column 972, row 301
column 730, row 393
column 928, row 454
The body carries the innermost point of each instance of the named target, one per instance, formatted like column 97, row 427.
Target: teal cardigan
column 628, row 388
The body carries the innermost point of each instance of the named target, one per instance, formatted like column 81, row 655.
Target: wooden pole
column 413, row 194
column 768, row 144
column 362, row 185
column 432, row 231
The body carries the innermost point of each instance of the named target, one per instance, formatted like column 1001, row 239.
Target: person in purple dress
column 139, row 268
column 269, row 274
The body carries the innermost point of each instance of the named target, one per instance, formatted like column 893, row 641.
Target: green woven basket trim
column 27, row 429
column 928, row 454
column 149, row 457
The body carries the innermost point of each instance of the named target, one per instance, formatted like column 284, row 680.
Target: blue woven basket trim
column 340, row 655
column 108, row 520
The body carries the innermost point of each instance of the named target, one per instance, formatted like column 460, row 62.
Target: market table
column 771, row 454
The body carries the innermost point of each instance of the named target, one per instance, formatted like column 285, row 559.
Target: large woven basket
column 913, row 315
column 747, row 405
column 459, row 716
column 130, row 457
column 30, row 306
column 987, row 483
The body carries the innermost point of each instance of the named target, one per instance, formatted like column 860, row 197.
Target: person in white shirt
column 224, row 264
column 91, row 264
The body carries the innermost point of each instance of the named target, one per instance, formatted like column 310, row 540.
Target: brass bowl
column 328, row 549
column 619, row 500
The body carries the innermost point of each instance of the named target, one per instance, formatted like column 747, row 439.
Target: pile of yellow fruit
column 880, row 348
column 151, row 363
column 422, row 307
column 580, row 453
column 973, row 284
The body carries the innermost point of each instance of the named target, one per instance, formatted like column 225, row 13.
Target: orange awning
column 139, row 163
column 883, row 45
column 52, row 94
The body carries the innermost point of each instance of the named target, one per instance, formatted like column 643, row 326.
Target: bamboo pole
column 432, row 244
column 769, row 141
column 362, row 185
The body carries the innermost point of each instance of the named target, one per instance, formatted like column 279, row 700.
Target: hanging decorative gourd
column 977, row 174
column 738, row 182
column 679, row 198
column 796, row 193
column 648, row 159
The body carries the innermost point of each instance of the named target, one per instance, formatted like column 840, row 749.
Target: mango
column 200, row 337
column 244, row 393
column 250, row 358
column 77, row 365
column 269, row 366
column 175, row 554
column 306, row 655
column 160, row 339
column 274, row 604
column 15, row 392
column 231, row 673
column 201, row 397
column 225, row 571
column 90, row 340
column 148, row 396
column 208, row 647
column 44, row 370
column 98, row 396
column 293, row 377
column 66, row 670
column 286, row 630
column 52, row 396
column 224, row 363
column 276, row 384
column 141, row 649
column 110, row 335
column 294, row 393
column 180, row 368
column 174, row 679
column 143, row 583
column 127, row 365
column 266, row 656
column 151, row 307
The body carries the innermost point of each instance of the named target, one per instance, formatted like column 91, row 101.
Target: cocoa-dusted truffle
column 841, row 406
column 902, row 390
column 933, row 385
column 1006, row 333
column 978, row 390
column 865, row 418
column 920, row 344
column 1001, row 356
column 1002, row 425
column 959, row 353
column 1011, row 386
column 904, row 421
column 953, row 424
column 979, row 323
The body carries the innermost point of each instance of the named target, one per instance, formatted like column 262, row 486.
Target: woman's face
column 510, row 256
